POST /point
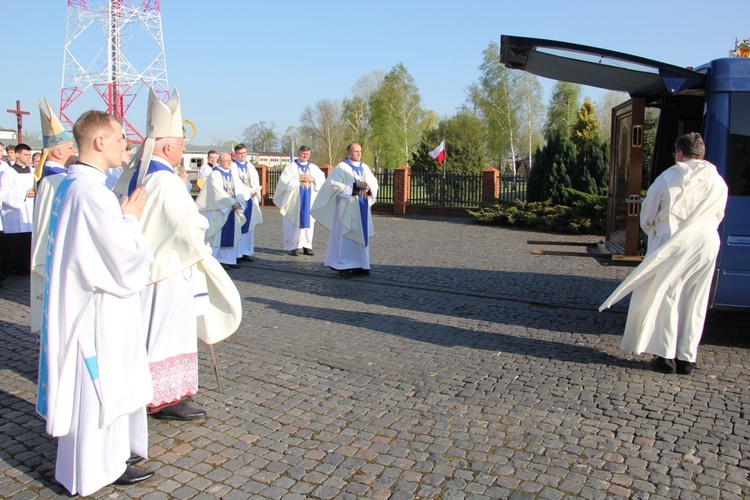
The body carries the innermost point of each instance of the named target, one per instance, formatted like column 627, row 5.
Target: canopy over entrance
column 595, row 67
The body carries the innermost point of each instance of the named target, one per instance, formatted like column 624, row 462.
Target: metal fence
column 273, row 179
column 432, row 188
column 513, row 187
column 454, row 190
column 385, row 185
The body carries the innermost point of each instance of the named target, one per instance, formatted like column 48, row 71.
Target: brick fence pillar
column 401, row 189
column 263, row 176
column 490, row 185
column 326, row 169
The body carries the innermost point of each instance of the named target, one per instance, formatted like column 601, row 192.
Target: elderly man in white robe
column 186, row 281
column 59, row 150
column 671, row 287
column 295, row 193
column 251, row 191
column 220, row 203
column 94, row 379
column 343, row 205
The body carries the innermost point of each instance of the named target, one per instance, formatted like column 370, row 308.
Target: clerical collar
column 299, row 163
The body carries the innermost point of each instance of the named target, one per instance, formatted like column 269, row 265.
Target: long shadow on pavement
column 449, row 336
column 24, row 444
column 464, row 293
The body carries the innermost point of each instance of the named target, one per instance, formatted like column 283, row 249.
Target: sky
column 240, row 62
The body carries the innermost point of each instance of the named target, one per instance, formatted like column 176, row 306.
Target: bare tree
column 324, row 122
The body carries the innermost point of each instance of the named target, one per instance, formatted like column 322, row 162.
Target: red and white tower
column 115, row 47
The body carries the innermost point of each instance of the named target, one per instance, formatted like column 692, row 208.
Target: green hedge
column 587, row 214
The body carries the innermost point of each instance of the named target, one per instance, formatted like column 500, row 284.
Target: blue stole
column 50, row 170
column 227, row 232
column 154, row 166
column 54, row 222
column 245, row 176
column 305, row 195
column 363, row 203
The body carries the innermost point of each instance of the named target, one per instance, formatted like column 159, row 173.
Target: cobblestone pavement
column 463, row 367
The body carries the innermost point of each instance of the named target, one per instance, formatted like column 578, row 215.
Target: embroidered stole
column 154, row 166
column 305, row 196
column 242, row 168
column 227, row 232
column 359, row 174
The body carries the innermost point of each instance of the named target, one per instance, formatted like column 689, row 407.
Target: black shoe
column 133, row 476
column 684, row 367
column 346, row 273
column 294, row 252
column 362, row 272
column 181, row 411
column 247, row 258
column 664, row 365
column 307, row 251
column 134, row 459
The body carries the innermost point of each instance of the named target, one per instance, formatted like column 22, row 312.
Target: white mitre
column 164, row 120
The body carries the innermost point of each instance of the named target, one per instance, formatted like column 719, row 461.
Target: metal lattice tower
column 97, row 37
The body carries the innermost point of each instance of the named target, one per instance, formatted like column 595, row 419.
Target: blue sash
column 54, row 221
column 245, row 177
column 51, row 170
column 364, row 205
column 227, row 232
column 305, row 195
column 154, row 166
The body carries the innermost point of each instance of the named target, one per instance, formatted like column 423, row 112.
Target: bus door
column 732, row 289
column 626, row 165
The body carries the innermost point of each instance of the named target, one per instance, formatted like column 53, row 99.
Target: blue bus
column 713, row 99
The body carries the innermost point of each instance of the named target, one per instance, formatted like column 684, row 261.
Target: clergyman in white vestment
column 220, row 203
column 251, row 191
column 343, row 205
column 94, row 379
column 294, row 195
column 671, row 287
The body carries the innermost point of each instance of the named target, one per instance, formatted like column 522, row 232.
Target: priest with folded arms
column 94, row 380
column 224, row 208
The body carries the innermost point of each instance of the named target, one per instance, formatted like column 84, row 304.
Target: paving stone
column 464, row 368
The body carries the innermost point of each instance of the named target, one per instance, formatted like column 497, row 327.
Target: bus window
column 738, row 156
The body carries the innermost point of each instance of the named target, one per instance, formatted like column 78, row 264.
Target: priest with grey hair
column 189, row 294
column 671, row 287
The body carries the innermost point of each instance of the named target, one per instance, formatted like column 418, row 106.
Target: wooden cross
column 19, row 116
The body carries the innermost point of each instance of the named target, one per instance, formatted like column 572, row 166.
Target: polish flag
column 439, row 153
